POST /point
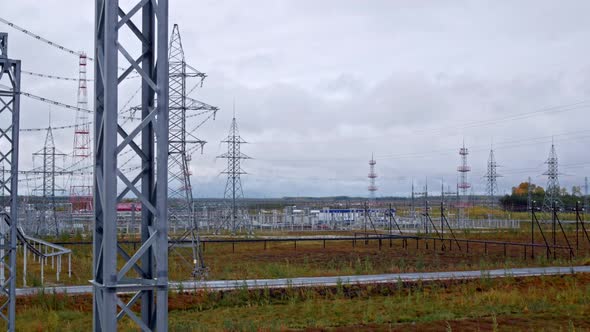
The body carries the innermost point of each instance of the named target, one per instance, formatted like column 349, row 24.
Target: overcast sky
column 320, row 85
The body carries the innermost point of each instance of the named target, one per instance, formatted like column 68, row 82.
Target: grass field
column 531, row 304
column 285, row 260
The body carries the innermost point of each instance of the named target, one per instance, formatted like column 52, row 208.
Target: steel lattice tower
column 529, row 195
column 182, row 141
column 492, row 179
column 141, row 275
column 552, row 194
column 49, row 170
column 81, row 184
column 586, row 193
column 233, row 218
column 10, row 72
column 372, row 177
column 463, row 169
column 463, row 185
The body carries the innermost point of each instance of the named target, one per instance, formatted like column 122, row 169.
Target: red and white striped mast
column 81, row 185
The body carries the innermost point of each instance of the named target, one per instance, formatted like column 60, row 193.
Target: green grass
column 282, row 260
column 531, row 304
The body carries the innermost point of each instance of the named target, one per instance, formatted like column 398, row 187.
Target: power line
column 67, row 106
column 41, row 39
column 506, row 144
column 54, row 128
column 435, row 131
column 61, row 78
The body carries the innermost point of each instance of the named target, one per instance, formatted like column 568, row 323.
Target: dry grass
column 531, row 304
column 283, row 260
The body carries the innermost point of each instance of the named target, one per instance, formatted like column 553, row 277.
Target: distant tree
column 577, row 191
column 523, row 189
column 563, row 191
column 539, row 191
column 518, row 200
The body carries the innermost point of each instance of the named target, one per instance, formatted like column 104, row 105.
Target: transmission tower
column 81, row 184
column 233, row 218
column 49, row 158
column 412, row 202
column 529, row 195
column 182, row 142
column 492, row 180
column 444, row 194
column 10, row 74
column 463, row 185
column 426, row 208
column 372, row 177
column 552, row 194
column 586, row 198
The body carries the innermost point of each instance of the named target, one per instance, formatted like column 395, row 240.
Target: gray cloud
column 319, row 86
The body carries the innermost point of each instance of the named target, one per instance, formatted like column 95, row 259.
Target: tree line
column 518, row 199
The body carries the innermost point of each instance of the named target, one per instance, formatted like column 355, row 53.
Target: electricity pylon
column 233, row 217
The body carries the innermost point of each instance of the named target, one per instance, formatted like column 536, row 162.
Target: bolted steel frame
column 144, row 273
column 10, row 72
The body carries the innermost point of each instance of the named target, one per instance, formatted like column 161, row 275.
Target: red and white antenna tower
column 463, row 169
column 81, row 185
column 372, row 176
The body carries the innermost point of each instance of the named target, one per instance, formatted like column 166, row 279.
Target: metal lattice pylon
column 552, row 194
column 48, row 188
column 234, row 218
column 81, row 183
column 10, row 71
column 586, row 198
column 141, row 275
column 372, row 177
column 491, row 177
column 463, row 185
column 182, row 141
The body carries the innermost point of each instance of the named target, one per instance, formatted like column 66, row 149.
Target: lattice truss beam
column 136, row 34
column 10, row 71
